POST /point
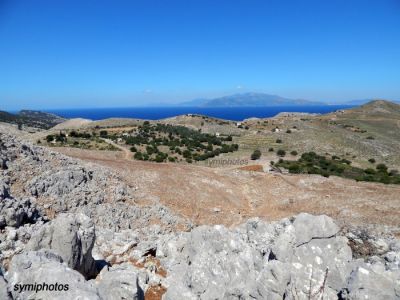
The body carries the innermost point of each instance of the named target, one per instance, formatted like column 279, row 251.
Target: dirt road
column 127, row 152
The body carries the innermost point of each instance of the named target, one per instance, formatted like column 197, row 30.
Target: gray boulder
column 72, row 237
column 373, row 282
column 43, row 275
column 119, row 282
column 214, row 263
column 310, row 227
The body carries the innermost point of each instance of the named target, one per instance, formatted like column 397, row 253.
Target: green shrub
column 138, row 155
column 372, row 160
column 278, row 141
column 294, row 153
column 255, row 155
column 295, row 169
column 281, row 153
column 370, row 171
column 346, row 161
column 382, row 167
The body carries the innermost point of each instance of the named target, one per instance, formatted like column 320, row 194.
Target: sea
column 155, row 113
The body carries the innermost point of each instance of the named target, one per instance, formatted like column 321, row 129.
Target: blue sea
column 155, row 113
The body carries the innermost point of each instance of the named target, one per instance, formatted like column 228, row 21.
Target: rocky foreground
column 70, row 230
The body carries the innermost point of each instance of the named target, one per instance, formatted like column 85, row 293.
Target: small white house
column 217, row 134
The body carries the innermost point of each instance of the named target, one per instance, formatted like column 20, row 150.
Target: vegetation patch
column 164, row 142
column 77, row 139
column 312, row 163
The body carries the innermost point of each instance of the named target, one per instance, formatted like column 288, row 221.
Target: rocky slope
column 80, row 230
column 31, row 118
column 290, row 259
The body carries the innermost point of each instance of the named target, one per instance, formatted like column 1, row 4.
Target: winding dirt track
column 127, row 152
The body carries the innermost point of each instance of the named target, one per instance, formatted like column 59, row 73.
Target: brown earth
column 230, row 196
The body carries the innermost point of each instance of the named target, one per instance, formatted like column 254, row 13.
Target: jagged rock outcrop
column 43, row 274
column 15, row 212
column 72, row 237
column 256, row 260
column 282, row 260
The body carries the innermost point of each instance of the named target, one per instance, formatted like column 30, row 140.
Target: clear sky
column 83, row 53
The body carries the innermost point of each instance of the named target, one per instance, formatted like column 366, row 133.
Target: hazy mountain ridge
column 250, row 99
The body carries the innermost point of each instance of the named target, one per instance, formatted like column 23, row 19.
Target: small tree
column 255, row 155
column 372, row 160
column 50, row 138
column 294, row 153
column 281, row 153
column 381, row 167
column 279, row 141
column 138, row 155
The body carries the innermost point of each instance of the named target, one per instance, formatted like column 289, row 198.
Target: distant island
column 249, row 100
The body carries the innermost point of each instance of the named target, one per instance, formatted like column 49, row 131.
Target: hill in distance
column 362, row 102
column 31, row 118
column 249, row 99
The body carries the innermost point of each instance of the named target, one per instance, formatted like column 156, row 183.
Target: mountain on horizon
column 249, row 99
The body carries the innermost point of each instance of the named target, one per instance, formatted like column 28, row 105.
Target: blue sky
column 63, row 54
